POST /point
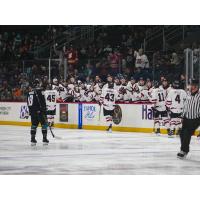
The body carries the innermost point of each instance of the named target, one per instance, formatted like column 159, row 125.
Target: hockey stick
column 99, row 112
column 44, row 117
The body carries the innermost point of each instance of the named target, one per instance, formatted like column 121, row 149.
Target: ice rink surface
column 94, row 152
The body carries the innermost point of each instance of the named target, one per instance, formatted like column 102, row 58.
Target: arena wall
column 127, row 117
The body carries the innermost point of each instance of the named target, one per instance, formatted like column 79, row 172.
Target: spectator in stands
column 71, row 55
column 141, row 60
column 17, row 93
column 175, row 59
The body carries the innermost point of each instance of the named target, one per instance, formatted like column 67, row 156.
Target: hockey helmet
column 110, row 85
column 176, row 84
column 36, row 83
column 55, row 81
column 155, row 84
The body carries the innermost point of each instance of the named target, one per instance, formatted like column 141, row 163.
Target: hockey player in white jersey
column 146, row 92
column 122, row 91
column 90, row 94
column 108, row 99
column 136, row 95
column 141, row 84
column 50, row 97
column 83, row 90
column 55, row 84
column 165, row 86
column 159, row 108
column 117, row 83
column 77, row 94
column 174, row 102
column 98, row 91
column 61, row 90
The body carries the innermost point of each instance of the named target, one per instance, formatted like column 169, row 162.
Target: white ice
column 94, row 152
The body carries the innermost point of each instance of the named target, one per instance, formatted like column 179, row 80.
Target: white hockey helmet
column 55, row 81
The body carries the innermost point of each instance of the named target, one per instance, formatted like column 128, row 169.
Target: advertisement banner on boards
column 63, row 112
column 89, row 111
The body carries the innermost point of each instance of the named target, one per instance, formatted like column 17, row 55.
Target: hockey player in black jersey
column 37, row 110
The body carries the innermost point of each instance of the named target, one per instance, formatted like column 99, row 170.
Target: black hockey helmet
column 194, row 82
column 176, row 84
column 110, row 85
column 36, row 83
column 155, row 84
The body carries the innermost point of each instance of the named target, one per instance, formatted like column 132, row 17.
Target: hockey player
column 90, row 94
column 122, row 91
column 130, row 88
column 117, row 83
column 77, row 94
column 159, row 108
column 109, row 80
column 50, row 97
column 37, row 109
column 55, row 84
column 146, row 92
column 83, row 90
column 98, row 91
column 108, row 98
column 136, row 95
column 62, row 91
column 174, row 102
column 165, row 86
column 141, row 84
column 71, row 83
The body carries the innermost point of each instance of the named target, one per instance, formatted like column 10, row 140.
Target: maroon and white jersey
column 108, row 98
column 166, row 90
column 136, row 96
column 175, row 100
column 82, row 95
column 51, row 97
column 145, row 95
column 89, row 96
column 158, row 99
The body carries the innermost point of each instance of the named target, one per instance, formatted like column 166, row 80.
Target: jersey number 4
column 109, row 97
column 51, row 98
column 178, row 98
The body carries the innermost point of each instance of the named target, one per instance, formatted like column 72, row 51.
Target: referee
column 191, row 117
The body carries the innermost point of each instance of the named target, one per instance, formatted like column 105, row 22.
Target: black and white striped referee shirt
column 191, row 109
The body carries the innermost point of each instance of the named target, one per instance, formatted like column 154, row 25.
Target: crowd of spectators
column 113, row 51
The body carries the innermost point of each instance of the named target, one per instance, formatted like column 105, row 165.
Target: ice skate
column 33, row 141
column 45, row 141
column 157, row 132
column 109, row 129
column 181, row 155
column 171, row 134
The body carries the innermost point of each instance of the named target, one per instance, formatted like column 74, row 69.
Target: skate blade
column 170, row 136
column 45, row 143
column 181, row 158
column 33, row 144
